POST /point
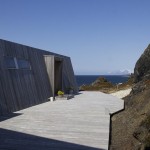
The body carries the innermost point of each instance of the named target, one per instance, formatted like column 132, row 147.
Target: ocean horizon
column 88, row 79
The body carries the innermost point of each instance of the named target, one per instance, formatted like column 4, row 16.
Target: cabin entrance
column 54, row 67
column 57, row 75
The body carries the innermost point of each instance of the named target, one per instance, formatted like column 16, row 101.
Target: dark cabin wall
column 22, row 88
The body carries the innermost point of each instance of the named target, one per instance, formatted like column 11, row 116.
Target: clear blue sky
column 99, row 35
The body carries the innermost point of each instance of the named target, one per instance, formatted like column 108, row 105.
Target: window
column 16, row 63
column 23, row 64
column 10, row 63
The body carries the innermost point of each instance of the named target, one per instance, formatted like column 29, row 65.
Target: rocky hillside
column 131, row 127
column 103, row 85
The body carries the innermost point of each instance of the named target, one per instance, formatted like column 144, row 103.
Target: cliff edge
column 131, row 127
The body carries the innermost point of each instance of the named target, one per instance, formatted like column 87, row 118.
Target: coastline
column 88, row 79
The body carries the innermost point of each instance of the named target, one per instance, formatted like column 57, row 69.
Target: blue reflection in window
column 23, row 64
column 10, row 62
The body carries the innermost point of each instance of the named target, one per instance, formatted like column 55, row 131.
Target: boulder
column 102, row 82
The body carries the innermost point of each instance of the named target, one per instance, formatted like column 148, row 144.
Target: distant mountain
column 120, row 72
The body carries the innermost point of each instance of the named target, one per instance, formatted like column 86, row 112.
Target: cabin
column 30, row 76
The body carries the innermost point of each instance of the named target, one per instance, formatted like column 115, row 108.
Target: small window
column 10, row 63
column 23, row 64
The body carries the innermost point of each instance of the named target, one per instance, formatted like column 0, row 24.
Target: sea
column 88, row 79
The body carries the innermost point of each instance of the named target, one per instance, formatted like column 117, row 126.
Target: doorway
column 57, row 75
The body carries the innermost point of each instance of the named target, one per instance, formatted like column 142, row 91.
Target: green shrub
column 60, row 93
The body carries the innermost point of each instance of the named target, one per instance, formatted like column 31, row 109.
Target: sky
column 100, row 36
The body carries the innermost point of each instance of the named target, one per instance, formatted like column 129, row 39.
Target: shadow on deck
column 9, row 116
column 20, row 141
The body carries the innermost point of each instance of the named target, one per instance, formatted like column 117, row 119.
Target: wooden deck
column 81, row 123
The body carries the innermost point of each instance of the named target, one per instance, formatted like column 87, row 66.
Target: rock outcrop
column 100, row 84
column 142, row 67
column 131, row 127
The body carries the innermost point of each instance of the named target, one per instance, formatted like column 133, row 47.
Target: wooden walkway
column 81, row 123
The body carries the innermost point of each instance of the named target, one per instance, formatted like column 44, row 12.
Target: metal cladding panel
column 69, row 80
